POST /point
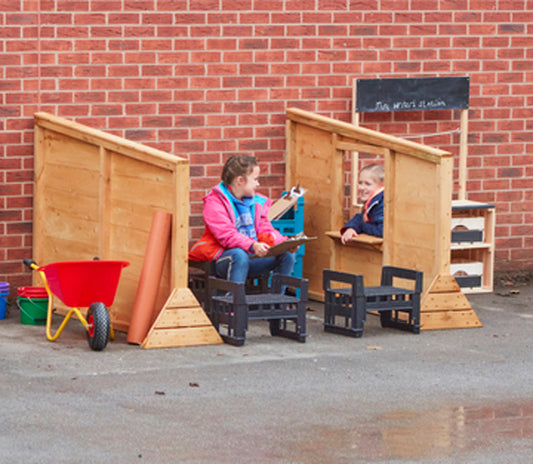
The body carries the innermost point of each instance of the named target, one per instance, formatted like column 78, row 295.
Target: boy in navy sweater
column 370, row 193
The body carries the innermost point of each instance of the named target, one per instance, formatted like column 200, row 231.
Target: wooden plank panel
column 131, row 213
column 68, row 180
column 128, row 240
column 71, row 152
column 316, row 258
column 445, row 301
column 358, row 147
column 445, row 284
column 144, row 191
column 181, row 298
column 183, row 317
column 401, row 251
column 133, row 168
column 179, row 337
column 449, row 320
column 67, row 248
column 75, row 230
column 60, row 203
column 368, row 263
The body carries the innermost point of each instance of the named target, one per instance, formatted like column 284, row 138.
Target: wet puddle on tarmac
column 412, row 436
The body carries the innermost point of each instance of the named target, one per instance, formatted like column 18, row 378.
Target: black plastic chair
column 198, row 278
column 345, row 306
column 231, row 306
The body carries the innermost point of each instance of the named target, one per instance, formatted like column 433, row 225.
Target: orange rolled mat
column 150, row 279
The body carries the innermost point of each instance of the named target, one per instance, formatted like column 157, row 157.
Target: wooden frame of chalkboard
column 412, row 94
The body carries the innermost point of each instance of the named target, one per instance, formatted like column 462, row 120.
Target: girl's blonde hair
column 238, row 165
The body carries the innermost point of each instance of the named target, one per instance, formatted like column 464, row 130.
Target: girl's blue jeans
column 235, row 265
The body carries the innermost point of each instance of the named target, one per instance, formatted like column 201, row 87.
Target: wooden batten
column 181, row 322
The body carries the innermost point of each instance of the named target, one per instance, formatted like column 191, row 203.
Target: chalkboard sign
column 410, row 94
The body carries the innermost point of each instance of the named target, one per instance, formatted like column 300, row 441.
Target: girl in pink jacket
column 237, row 227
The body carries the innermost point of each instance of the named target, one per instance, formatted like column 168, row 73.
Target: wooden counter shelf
column 362, row 255
column 361, row 240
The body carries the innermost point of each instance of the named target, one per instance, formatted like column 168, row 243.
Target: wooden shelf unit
column 474, row 259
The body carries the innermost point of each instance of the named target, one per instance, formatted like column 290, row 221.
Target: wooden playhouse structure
column 95, row 195
column 418, row 210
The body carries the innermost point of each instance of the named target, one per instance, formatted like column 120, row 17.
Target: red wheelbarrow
column 82, row 284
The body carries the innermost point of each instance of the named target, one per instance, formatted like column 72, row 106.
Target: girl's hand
column 348, row 235
column 260, row 249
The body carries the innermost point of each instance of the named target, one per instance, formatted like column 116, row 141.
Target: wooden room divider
column 95, row 195
column 417, row 222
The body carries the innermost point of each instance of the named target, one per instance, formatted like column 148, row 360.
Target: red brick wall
column 205, row 78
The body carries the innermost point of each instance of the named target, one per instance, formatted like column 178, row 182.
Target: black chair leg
column 346, row 303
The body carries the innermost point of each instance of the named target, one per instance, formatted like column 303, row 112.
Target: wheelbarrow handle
column 30, row 263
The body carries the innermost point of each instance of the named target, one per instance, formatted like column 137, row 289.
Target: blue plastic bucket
column 3, row 304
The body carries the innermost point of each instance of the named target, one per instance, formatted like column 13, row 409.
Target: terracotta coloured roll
column 150, row 279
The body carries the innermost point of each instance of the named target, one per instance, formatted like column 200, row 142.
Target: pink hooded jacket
column 220, row 231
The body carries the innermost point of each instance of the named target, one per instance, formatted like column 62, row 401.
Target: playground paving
column 447, row 396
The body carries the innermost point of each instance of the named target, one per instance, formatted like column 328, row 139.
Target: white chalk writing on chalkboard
column 410, row 105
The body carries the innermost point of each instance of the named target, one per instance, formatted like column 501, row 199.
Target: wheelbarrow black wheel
column 99, row 326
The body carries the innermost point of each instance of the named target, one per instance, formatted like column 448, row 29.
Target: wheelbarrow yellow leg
column 72, row 311
column 50, row 311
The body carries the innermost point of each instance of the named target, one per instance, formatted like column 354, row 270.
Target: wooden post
column 463, row 154
column 354, row 204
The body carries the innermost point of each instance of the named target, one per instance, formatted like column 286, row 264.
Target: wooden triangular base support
column 445, row 306
column 181, row 322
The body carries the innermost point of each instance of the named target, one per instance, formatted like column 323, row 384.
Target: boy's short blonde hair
column 377, row 171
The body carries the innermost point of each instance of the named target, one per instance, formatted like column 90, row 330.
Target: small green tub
column 33, row 310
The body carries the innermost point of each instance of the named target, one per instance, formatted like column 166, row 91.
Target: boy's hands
column 348, row 235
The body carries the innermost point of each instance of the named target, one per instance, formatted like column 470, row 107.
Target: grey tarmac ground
column 448, row 396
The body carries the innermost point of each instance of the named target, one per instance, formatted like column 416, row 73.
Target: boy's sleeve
column 355, row 223
column 372, row 228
